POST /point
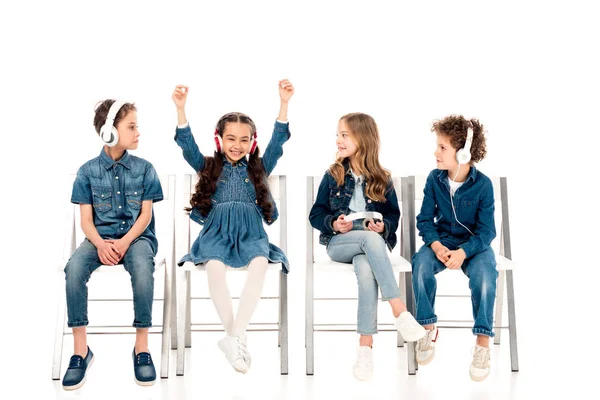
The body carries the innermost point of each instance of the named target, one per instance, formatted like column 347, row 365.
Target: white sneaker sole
column 142, row 383
column 478, row 378
column 427, row 360
column 80, row 384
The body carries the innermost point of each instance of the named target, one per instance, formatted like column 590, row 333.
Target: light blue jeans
column 368, row 252
column 138, row 261
column 482, row 273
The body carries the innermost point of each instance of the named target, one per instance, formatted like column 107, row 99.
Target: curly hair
column 213, row 166
column 455, row 127
column 101, row 112
column 366, row 136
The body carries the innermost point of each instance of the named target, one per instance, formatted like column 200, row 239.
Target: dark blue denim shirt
column 116, row 189
column 474, row 205
column 192, row 154
column 333, row 200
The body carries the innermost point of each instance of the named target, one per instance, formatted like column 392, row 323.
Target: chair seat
column 190, row 266
column 399, row 264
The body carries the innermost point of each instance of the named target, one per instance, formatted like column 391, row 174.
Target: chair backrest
column 188, row 231
column 501, row 244
column 316, row 252
column 164, row 213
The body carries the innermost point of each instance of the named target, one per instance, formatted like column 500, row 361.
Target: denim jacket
column 192, row 154
column 474, row 205
column 333, row 200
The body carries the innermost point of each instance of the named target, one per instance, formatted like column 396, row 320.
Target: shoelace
column 76, row 362
column 143, row 359
column 480, row 357
column 244, row 350
column 424, row 343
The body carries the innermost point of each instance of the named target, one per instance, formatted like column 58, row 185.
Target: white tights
column 219, row 292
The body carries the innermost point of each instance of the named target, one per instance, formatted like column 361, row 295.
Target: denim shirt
column 474, row 205
column 116, row 189
column 192, row 154
column 333, row 200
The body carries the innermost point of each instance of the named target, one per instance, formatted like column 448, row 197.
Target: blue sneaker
column 143, row 367
column 78, row 366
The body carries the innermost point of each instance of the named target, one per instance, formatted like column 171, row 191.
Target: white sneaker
column 233, row 348
column 363, row 368
column 480, row 367
column 426, row 347
column 409, row 328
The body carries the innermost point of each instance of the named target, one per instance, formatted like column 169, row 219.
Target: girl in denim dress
column 232, row 200
column 356, row 182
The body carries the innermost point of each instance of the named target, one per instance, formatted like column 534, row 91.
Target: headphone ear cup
column 463, row 156
column 114, row 137
column 254, row 144
column 218, row 142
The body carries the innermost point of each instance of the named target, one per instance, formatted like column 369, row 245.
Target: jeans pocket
column 102, row 199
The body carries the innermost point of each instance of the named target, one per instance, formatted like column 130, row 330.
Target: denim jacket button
column 368, row 201
column 246, row 180
column 269, row 221
column 337, row 194
column 256, row 201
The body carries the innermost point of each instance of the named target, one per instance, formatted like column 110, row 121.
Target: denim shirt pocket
column 134, row 197
column 102, row 199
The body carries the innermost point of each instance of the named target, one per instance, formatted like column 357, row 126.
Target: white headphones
column 463, row 155
column 108, row 132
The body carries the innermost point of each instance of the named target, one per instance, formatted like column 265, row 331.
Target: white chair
column 327, row 271
column 187, row 232
column 505, row 267
column 165, row 230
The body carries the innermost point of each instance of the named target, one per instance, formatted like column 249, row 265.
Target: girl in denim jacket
column 456, row 223
column 232, row 200
column 356, row 182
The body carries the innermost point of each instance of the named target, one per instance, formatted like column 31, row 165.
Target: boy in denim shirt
column 115, row 192
column 456, row 223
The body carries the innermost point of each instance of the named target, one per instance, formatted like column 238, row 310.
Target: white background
column 527, row 70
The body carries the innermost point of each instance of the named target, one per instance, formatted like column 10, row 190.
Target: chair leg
column 173, row 307
column 182, row 289
column 499, row 307
column 166, row 328
column 283, row 328
column 410, row 305
column 401, row 286
column 188, row 315
column 279, row 310
column 309, row 326
column 59, row 330
column 512, row 321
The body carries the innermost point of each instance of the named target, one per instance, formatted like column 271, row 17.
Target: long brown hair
column 213, row 166
column 365, row 134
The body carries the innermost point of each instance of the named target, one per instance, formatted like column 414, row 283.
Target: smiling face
column 345, row 142
column 128, row 131
column 236, row 140
column 445, row 154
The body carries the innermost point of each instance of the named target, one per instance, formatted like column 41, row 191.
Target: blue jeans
column 368, row 252
column 138, row 261
column 482, row 274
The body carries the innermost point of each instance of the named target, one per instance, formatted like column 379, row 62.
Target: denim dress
column 233, row 231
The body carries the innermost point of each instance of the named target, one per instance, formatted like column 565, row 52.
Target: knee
column 483, row 278
column 373, row 241
column 423, row 264
column 75, row 271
